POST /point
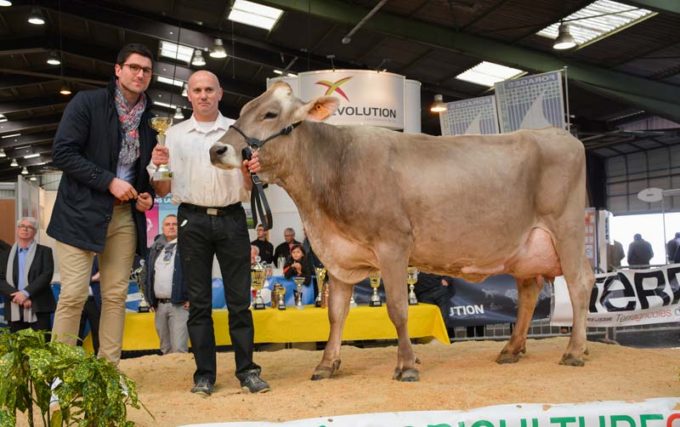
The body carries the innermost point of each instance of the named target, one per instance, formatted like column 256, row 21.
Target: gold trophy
column 138, row 277
column 320, row 286
column 161, row 124
column 281, row 295
column 374, row 279
column 411, row 279
column 257, row 277
column 299, row 280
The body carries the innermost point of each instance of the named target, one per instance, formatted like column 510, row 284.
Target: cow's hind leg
column 338, row 307
column 580, row 284
column 528, row 290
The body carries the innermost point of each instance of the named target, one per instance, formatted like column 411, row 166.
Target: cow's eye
column 270, row 115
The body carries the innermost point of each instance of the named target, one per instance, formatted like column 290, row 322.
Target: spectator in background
column 639, row 252
column 434, row 289
column 672, row 247
column 265, row 248
column 166, row 291
column 92, row 309
column 283, row 250
column 297, row 265
column 254, row 253
column 614, row 255
column 25, row 280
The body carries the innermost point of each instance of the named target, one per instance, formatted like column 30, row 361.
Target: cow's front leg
column 394, row 278
column 528, row 291
column 338, row 307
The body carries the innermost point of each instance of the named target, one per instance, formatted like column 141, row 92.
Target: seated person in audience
column 265, row 248
column 254, row 253
column 296, row 265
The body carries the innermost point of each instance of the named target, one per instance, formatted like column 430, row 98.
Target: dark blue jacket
column 86, row 148
column 179, row 293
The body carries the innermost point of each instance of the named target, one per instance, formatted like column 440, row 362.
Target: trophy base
column 162, row 175
column 375, row 304
column 413, row 303
column 143, row 309
column 259, row 306
column 317, row 303
column 281, row 307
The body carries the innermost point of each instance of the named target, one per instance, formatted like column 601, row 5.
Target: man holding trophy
column 102, row 145
column 211, row 222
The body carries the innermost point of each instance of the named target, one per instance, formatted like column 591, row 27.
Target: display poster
column 470, row 116
column 531, row 102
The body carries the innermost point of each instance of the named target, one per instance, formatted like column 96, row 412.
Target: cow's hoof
column 409, row 375
column 325, row 372
column 504, row 358
column 571, row 360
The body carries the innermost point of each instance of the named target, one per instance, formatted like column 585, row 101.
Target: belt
column 216, row 211
column 118, row 202
column 163, row 301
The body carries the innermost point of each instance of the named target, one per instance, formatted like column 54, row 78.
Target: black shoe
column 203, row 387
column 254, row 384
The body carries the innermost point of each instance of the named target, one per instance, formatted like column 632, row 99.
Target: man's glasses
column 25, row 227
column 137, row 68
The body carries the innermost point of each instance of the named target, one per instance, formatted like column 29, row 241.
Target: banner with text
column 470, row 116
column 531, row 102
column 625, row 298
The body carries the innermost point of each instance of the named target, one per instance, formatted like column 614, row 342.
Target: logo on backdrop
column 334, row 86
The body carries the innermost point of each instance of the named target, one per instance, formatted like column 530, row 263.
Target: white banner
column 470, row 116
column 366, row 97
column 660, row 412
column 625, row 298
column 531, row 102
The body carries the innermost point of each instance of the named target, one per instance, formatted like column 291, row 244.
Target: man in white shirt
column 165, row 290
column 211, row 222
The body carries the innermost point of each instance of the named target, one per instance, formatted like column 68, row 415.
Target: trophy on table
column 411, row 279
column 374, row 279
column 321, row 287
column 299, row 280
column 138, row 277
column 161, row 124
column 279, row 297
column 257, row 277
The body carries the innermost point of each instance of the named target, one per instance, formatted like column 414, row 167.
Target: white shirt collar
column 221, row 123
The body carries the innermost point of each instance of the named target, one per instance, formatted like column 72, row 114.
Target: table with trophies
column 306, row 320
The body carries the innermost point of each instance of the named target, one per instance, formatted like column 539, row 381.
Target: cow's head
column 265, row 116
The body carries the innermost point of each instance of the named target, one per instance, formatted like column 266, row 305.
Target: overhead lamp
column 14, row 163
column 3, row 118
column 65, row 90
column 33, row 178
column 2, row 153
column 36, row 17
column 24, row 171
column 198, row 60
column 53, row 58
column 564, row 38
column 217, row 50
column 5, row 3
column 185, row 90
column 178, row 114
column 438, row 106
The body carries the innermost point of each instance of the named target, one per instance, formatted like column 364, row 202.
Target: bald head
column 204, row 93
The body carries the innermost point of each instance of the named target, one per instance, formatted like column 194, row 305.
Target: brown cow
column 466, row 206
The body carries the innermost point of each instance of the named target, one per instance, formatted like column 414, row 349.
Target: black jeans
column 225, row 235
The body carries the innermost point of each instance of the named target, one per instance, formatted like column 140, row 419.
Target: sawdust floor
column 456, row 377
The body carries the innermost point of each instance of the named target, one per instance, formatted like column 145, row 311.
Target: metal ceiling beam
column 645, row 91
column 32, row 104
column 656, row 5
column 12, row 126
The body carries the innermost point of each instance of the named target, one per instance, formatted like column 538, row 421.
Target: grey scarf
column 29, row 316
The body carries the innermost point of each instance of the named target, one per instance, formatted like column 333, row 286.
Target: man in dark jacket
column 166, row 290
column 25, row 280
column 639, row 252
column 103, row 145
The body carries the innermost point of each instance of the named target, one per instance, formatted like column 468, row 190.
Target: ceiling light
column 488, row 73
column 217, row 51
column 165, row 104
column 185, row 89
column 5, row 3
column 176, row 51
column 169, row 81
column 65, row 90
column 2, row 153
column 178, row 114
column 36, row 17
column 14, row 163
column 277, row 71
column 564, row 39
column 3, row 118
column 257, row 15
column 11, row 135
column 198, row 60
column 33, row 178
column 32, row 156
column 53, row 58
column 438, row 106
column 24, row 171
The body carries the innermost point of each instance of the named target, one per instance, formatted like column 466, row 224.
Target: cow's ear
column 318, row 110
